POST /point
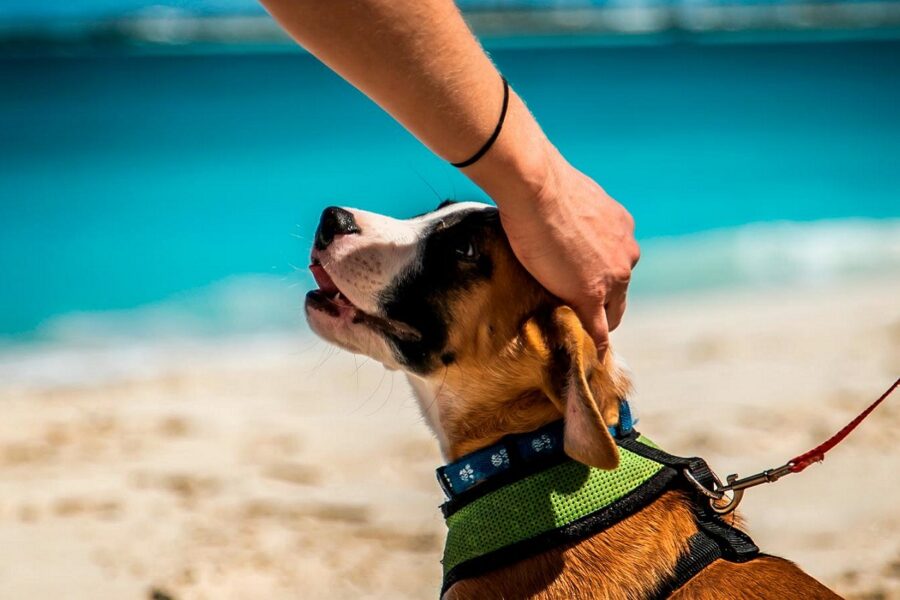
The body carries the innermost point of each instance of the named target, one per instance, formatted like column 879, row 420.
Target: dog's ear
column 574, row 379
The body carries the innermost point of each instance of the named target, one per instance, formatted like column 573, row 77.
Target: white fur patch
column 365, row 264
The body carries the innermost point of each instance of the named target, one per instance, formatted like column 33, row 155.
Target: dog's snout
column 335, row 221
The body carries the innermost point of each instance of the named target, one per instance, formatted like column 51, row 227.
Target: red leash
column 817, row 454
column 723, row 504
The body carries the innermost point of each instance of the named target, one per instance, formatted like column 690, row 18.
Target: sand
column 276, row 467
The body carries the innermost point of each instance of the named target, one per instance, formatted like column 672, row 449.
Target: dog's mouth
column 329, row 300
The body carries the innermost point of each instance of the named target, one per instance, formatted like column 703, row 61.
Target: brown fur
column 521, row 360
column 764, row 577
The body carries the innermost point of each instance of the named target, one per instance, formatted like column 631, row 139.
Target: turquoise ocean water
column 189, row 184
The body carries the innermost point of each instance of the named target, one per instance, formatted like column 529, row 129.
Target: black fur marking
column 421, row 297
column 444, row 203
column 448, row 358
column 485, row 266
column 559, row 367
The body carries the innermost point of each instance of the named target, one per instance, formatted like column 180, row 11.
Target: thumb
column 593, row 319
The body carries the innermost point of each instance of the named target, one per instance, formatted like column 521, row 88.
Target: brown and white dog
column 488, row 353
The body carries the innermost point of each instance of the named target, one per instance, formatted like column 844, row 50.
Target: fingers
column 615, row 308
column 594, row 321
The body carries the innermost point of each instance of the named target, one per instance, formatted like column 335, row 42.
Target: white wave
column 236, row 305
column 239, row 321
column 767, row 254
column 48, row 365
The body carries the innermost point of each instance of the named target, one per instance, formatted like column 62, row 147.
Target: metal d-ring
column 720, row 502
column 717, row 494
column 712, row 494
column 737, row 494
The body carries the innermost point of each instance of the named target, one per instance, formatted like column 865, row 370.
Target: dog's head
column 488, row 351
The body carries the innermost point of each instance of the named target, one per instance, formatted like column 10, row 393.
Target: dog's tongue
column 323, row 280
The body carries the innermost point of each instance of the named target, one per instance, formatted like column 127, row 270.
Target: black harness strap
column 702, row 551
column 715, row 539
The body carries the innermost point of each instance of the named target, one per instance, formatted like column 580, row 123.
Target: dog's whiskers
column 437, row 392
column 383, row 402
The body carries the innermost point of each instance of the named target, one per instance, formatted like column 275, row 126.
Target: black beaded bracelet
column 490, row 142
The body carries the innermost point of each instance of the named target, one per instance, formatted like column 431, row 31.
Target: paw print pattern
column 542, row 443
column 467, row 473
column 500, row 458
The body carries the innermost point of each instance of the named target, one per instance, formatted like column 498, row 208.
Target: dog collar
column 513, row 451
column 524, row 495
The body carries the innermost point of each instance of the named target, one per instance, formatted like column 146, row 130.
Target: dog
column 490, row 354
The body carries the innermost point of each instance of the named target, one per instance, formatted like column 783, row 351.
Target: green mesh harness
column 524, row 496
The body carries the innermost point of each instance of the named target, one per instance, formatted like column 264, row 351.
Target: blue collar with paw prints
column 513, row 451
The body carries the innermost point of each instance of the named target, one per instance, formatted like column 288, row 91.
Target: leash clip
column 722, row 504
column 723, row 499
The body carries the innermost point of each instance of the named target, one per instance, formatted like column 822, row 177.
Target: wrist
column 518, row 168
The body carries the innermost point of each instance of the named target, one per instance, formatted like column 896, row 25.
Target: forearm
column 418, row 60
column 420, row 63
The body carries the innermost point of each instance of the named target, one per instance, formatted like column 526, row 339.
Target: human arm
column 421, row 64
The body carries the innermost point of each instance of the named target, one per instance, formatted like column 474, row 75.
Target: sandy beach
column 277, row 467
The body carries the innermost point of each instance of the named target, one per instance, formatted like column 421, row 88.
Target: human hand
column 578, row 243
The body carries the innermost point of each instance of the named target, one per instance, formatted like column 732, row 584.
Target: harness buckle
column 723, row 499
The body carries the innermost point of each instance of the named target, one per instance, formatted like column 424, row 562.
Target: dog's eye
column 467, row 251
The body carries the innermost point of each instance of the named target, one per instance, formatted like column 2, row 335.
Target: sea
column 167, row 193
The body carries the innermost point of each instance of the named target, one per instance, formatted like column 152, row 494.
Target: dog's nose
column 335, row 221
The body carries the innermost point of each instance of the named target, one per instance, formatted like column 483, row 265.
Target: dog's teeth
column 337, row 296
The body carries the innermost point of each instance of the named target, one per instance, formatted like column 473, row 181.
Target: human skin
column 419, row 61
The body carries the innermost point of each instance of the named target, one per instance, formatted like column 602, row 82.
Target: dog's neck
column 468, row 412
column 469, row 415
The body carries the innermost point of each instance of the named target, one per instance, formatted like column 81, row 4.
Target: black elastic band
column 487, row 145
